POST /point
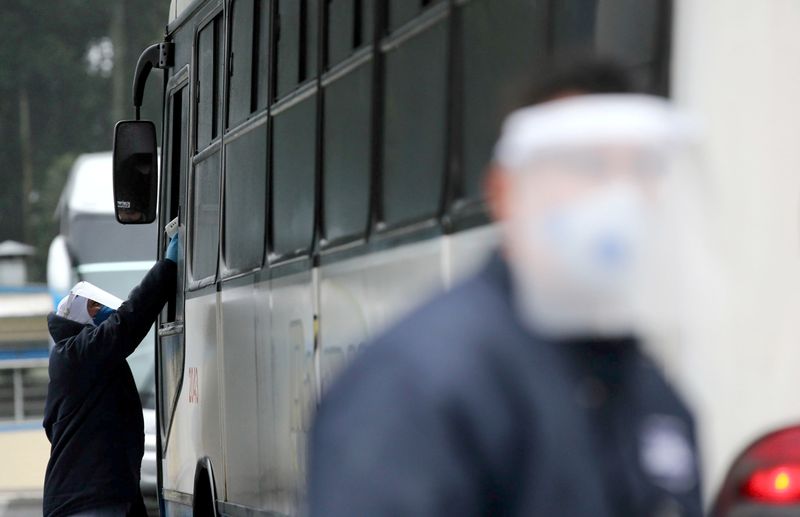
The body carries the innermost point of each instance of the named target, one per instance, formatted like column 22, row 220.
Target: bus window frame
column 215, row 145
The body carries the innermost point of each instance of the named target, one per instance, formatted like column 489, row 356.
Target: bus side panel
column 196, row 426
column 238, row 355
column 466, row 252
column 287, row 390
column 360, row 297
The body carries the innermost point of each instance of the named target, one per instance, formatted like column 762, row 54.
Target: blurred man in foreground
column 93, row 415
column 524, row 391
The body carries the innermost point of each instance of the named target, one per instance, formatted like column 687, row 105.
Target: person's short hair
column 575, row 76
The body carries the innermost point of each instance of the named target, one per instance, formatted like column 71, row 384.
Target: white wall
column 737, row 64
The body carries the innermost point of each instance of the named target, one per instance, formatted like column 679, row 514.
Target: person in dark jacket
column 524, row 391
column 93, row 415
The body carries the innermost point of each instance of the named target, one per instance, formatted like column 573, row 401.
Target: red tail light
column 778, row 485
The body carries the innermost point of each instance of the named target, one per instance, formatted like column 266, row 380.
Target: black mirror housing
column 135, row 171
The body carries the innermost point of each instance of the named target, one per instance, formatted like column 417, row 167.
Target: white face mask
column 586, row 283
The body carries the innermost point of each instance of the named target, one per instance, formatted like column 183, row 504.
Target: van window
column 346, row 154
column 414, row 126
column 245, row 199
column 209, row 81
column 205, row 218
column 294, row 150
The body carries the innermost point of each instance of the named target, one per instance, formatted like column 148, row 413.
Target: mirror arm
column 159, row 55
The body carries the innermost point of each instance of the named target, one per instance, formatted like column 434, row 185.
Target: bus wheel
column 205, row 497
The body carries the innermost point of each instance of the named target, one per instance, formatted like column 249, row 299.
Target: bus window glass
column 490, row 61
column 414, row 126
column 245, row 196
column 629, row 31
column 208, row 83
column 350, row 26
column 241, row 65
column 346, row 154
column 341, row 29
column 297, row 43
column 263, row 9
column 34, row 391
column 288, row 57
column 625, row 30
column 309, row 40
column 205, row 218
column 293, row 178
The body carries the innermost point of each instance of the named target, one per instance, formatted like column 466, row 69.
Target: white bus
column 325, row 159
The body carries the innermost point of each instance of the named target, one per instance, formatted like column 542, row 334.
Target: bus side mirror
column 135, row 171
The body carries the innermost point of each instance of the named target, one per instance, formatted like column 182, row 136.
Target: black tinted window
column 262, row 30
column 346, row 155
column 205, row 218
column 414, row 126
column 293, row 178
column 297, row 43
column 350, row 25
column 402, row 11
column 245, row 199
column 240, row 81
column 626, row 30
column 208, row 82
column 491, row 60
column 630, row 31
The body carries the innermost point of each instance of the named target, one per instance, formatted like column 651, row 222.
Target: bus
column 91, row 246
column 325, row 158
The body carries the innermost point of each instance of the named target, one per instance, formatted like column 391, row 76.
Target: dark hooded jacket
column 93, row 416
column 460, row 410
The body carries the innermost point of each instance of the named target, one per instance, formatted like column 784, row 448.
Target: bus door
column 170, row 343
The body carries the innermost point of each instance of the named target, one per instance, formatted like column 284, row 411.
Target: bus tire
column 204, row 502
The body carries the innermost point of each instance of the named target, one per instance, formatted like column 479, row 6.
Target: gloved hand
column 172, row 249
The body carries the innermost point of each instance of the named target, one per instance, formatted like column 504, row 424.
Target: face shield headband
column 591, row 120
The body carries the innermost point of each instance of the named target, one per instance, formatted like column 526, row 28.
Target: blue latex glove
column 102, row 315
column 172, row 249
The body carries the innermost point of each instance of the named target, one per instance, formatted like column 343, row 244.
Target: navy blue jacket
column 93, row 416
column 458, row 410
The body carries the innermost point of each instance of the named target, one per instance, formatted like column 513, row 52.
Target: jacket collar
column 62, row 328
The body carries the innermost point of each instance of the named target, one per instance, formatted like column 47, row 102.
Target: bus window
column 346, row 154
column 402, row 11
column 293, row 178
column 414, row 126
column 350, row 25
column 6, row 395
column 297, row 43
column 629, row 30
column 262, row 30
column 205, row 218
column 491, row 60
column 626, row 30
column 245, row 196
column 240, row 98
column 209, row 82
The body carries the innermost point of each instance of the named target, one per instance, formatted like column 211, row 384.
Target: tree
column 52, row 105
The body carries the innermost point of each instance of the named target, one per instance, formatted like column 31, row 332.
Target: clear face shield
column 603, row 214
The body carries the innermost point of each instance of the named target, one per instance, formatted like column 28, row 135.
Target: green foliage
column 43, row 47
